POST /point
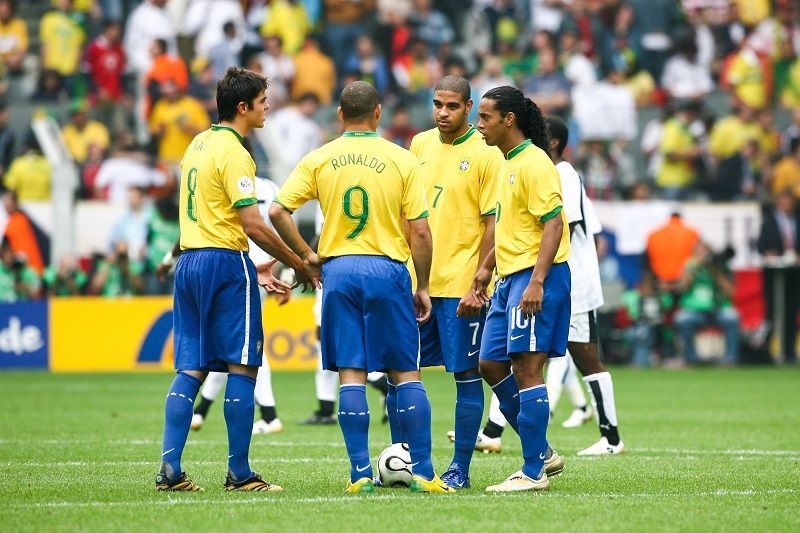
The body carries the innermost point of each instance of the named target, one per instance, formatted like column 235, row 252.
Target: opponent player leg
column 489, row 437
column 325, row 385
column 208, row 393
column 265, row 398
column 581, row 412
column 380, row 382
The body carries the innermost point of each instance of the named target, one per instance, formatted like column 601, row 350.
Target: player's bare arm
column 421, row 253
column 472, row 302
column 531, row 301
column 483, row 276
column 286, row 228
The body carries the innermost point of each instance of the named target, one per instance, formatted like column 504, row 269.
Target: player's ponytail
column 529, row 117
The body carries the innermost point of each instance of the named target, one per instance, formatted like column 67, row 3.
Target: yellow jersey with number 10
column 460, row 184
column 366, row 186
column 217, row 176
column 528, row 195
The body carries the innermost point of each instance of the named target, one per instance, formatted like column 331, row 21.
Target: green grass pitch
column 707, row 450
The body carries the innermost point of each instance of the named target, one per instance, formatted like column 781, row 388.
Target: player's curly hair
column 529, row 117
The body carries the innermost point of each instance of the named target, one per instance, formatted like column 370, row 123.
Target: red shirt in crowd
column 105, row 62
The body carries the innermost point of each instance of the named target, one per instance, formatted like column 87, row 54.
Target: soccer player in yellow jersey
column 530, row 309
column 217, row 308
column 458, row 171
column 368, row 189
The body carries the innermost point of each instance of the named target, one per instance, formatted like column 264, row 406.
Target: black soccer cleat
column 316, row 419
column 252, row 484
column 182, row 484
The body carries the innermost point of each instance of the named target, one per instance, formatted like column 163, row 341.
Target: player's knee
column 249, row 371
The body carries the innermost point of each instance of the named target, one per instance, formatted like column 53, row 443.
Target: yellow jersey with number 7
column 217, row 176
column 366, row 187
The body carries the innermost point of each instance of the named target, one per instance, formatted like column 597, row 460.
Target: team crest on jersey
column 259, row 346
column 246, row 185
column 464, row 165
column 512, row 179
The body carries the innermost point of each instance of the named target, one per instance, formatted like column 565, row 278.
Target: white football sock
column 495, row 415
column 557, row 368
column 214, row 383
column 602, row 393
column 325, row 381
column 263, row 393
column 574, row 387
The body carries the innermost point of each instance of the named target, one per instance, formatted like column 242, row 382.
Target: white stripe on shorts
column 246, row 346
column 532, row 344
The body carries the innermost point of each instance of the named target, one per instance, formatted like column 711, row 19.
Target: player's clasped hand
column 422, row 306
column 480, row 284
column 470, row 305
column 531, row 301
column 268, row 280
column 310, row 277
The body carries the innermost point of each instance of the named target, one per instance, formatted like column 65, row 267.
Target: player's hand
column 531, row 301
column 470, row 305
column 310, row 277
column 283, row 298
column 268, row 280
column 162, row 270
column 422, row 306
column 480, row 284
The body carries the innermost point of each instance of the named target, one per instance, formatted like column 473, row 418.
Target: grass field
column 707, row 450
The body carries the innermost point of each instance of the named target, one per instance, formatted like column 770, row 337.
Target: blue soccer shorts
column 368, row 315
column 509, row 331
column 450, row 340
column 216, row 311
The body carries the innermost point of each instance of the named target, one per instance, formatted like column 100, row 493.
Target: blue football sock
column 534, row 414
column 177, row 419
column 239, row 409
column 469, row 413
column 354, row 421
column 507, row 392
column 391, row 411
column 414, row 416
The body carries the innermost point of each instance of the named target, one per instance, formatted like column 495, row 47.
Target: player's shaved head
column 358, row 101
column 455, row 84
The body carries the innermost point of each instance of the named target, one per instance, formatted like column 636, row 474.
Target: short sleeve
column 299, row 188
column 543, row 191
column 487, row 196
column 571, row 194
column 237, row 172
column 415, row 206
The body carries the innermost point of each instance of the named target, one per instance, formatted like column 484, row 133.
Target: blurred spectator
column 786, row 175
column 548, row 87
column 369, row 65
column 416, row 71
column 148, row 22
column 430, row 25
column 104, row 62
column 29, row 175
column 6, row 139
column 80, row 133
column 578, row 69
column 126, row 168
column 707, row 288
column 646, row 307
column 505, row 19
column 13, row 37
column 739, row 175
column 779, row 243
column 680, row 153
column 175, row 120
column 205, row 20
column 118, row 274
column 344, row 22
column 685, row 76
column 50, row 89
column 297, row 130
column 637, row 80
column 787, row 88
column 68, row 279
column 314, row 72
column 89, row 171
column 649, row 25
column 18, row 281
column 165, row 68
column 132, row 226
column 490, row 76
column 747, row 75
column 163, row 231
column 288, row 20
column 400, row 130
column 668, row 249
column 651, row 141
column 731, row 132
column 225, row 53
column 203, row 86
column 61, row 41
column 24, row 236
column 278, row 68
column 751, row 12
column 792, row 132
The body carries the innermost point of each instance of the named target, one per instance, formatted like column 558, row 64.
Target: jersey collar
column 518, row 148
column 360, row 134
column 217, row 127
column 462, row 138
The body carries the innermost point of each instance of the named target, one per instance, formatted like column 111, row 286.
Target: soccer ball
column 394, row 466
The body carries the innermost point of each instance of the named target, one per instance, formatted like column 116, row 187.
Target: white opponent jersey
column 587, row 292
column 265, row 193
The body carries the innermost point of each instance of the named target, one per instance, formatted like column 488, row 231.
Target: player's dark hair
column 529, row 117
column 455, row 84
column 358, row 100
column 238, row 85
column 558, row 131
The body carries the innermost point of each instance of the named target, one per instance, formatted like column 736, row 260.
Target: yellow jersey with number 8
column 217, row 176
column 366, row 186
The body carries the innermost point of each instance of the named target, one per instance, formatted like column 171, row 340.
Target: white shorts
column 583, row 327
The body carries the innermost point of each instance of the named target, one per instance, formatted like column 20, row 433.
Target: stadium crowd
column 690, row 100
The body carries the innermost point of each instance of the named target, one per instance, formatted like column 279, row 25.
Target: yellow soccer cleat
column 182, row 484
column 518, row 482
column 363, row 485
column 434, row 486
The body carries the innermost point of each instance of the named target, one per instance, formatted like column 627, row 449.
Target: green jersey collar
column 517, row 149
column 460, row 139
column 360, row 134
column 217, row 127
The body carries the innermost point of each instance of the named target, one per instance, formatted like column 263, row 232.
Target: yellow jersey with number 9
column 217, row 176
column 528, row 195
column 366, row 186
column 460, row 184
